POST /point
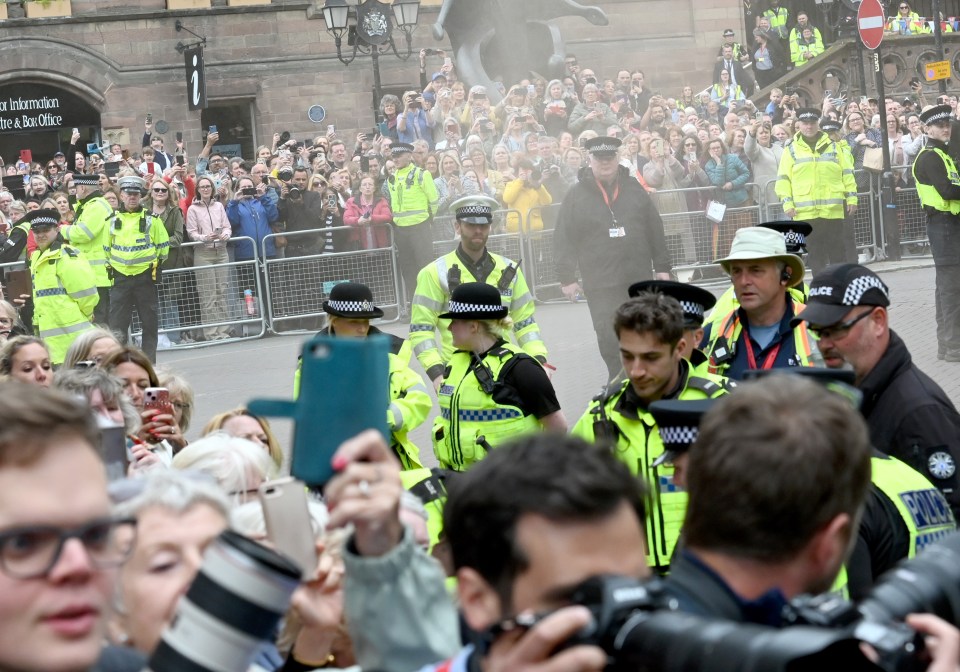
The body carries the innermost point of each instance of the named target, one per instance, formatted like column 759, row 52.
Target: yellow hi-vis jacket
column 817, row 182
column 413, row 196
column 64, row 296
column 138, row 242
column 90, row 233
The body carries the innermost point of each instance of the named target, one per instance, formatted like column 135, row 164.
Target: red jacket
column 377, row 233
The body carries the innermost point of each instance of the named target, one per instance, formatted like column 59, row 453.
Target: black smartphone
column 111, row 168
column 180, row 160
column 213, row 128
column 179, row 136
column 149, row 118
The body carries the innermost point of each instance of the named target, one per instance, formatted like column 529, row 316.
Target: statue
column 508, row 39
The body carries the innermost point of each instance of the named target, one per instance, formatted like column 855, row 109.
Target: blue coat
column 252, row 219
column 734, row 171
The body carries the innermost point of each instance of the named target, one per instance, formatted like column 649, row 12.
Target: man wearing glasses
column 58, row 543
column 909, row 416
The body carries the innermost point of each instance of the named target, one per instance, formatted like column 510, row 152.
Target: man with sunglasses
column 57, row 540
column 909, row 416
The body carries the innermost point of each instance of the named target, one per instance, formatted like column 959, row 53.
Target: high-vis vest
column 433, row 294
column 798, row 46
column 911, row 25
column 928, row 194
column 410, row 404
column 729, row 328
column 924, row 509
column 139, row 241
column 638, row 445
column 427, row 485
column 413, row 196
column 816, row 182
column 90, row 233
column 778, row 20
column 470, row 421
column 728, row 302
column 64, row 296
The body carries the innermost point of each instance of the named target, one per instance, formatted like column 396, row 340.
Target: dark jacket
column 883, row 540
column 302, row 215
column 252, row 218
column 911, row 418
column 583, row 235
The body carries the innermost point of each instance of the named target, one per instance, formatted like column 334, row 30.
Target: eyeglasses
column 160, row 191
column 30, row 552
column 904, row 6
column 838, row 331
column 205, row 186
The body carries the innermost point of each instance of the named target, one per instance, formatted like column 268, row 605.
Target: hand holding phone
column 288, row 521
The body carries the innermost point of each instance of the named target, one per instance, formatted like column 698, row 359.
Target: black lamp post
column 372, row 25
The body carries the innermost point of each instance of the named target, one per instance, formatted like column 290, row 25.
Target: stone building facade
column 111, row 62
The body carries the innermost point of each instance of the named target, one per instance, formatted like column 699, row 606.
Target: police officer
column 64, row 286
column 13, row 246
column 609, row 229
column 650, row 331
column 795, row 236
column 413, row 200
column 350, row 308
column 816, row 185
column 138, row 245
column 938, row 187
column 695, row 302
column 90, row 233
column 492, row 390
column 470, row 262
column 678, row 421
column 759, row 334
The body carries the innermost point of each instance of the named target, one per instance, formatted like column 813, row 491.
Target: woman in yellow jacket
column 524, row 193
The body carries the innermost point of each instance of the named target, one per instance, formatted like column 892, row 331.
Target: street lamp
column 371, row 31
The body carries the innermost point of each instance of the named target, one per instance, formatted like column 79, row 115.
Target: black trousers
column 138, row 291
column 603, row 303
column 101, row 314
column 827, row 244
column 414, row 251
column 944, row 236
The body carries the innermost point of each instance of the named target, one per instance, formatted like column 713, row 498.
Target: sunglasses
column 161, row 191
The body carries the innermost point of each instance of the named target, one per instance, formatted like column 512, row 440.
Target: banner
column 196, row 78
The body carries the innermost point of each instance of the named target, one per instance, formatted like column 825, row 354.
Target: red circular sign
column 870, row 22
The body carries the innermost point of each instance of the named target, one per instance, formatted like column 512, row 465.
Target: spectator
column 208, row 224
column 477, row 108
column 238, row 466
column 513, row 134
column 764, row 158
column 807, row 48
column 370, row 212
column 524, row 194
column 860, row 138
column 335, row 237
column 916, row 141
column 449, row 186
column 591, row 115
column 725, row 93
column 797, row 41
column 443, row 110
column 9, row 321
column 906, row 22
column 451, row 135
column 666, row 175
column 432, row 165
column 769, row 61
column 252, row 216
column 489, row 179
column 728, row 61
column 729, row 175
column 630, row 155
column 239, row 423
column 414, row 123
column 26, row 359
column 91, row 346
column 555, row 109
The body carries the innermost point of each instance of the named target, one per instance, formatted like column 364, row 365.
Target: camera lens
column 285, row 174
column 295, row 193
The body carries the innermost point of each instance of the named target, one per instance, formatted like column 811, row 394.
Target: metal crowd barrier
column 196, row 301
column 539, row 263
column 911, row 218
column 297, row 286
column 505, row 243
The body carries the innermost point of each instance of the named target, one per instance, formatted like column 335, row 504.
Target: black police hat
column 42, row 218
column 603, row 146
column 837, row 289
column 828, row 124
column 808, row 114
column 678, row 421
column 351, row 300
column 695, row 301
column 400, row 148
column 937, row 114
column 475, row 301
column 794, row 234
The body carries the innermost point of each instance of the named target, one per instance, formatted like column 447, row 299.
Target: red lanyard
column 751, row 360
column 606, row 199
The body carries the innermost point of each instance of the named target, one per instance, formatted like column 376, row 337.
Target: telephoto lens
column 242, row 591
column 285, row 174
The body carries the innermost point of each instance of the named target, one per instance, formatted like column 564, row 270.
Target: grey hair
column 227, row 459
column 169, row 489
column 79, row 350
column 248, row 519
column 85, row 381
column 413, row 504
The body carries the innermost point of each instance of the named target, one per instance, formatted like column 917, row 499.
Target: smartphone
column 448, row 61
column 26, row 155
column 179, row 136
column 75, row 131
column 150, row 168
column 149, row 117
column 113, row 448
column 323, row 416
column 331, row 129
column 289, row 526
column 111, row 168
column 158, row 398
column 19, row 283
column 180, row 160
column 93, row 148
column 213, row 128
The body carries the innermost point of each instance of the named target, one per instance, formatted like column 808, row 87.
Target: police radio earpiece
column 786, row 274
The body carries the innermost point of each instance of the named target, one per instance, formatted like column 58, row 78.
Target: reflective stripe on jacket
column 817, row 181
column 90, row 233
column 64, row 296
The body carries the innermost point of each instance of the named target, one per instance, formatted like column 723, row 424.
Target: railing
column 297, row 286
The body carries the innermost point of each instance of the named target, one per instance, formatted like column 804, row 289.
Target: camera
column 590, row 80
column 285, row 174
column 249, row 191
column 284, row 137
column 915, row 83
column 295, row 193
column 235, row 602
column 638, row 625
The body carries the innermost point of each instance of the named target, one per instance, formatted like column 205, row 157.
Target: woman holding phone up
column 207, row 224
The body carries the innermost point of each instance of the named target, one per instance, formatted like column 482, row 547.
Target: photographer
column 302, row 210
column 523, row 194
column 414, row 123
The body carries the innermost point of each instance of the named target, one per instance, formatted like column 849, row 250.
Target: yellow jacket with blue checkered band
column 433, row 295
column 138, row 241
column 816, row 181
column 64, row 296
column 470, row 421
column 638, row 445
column 90, row 233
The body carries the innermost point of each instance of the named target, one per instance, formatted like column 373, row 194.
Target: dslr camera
column 285, row 174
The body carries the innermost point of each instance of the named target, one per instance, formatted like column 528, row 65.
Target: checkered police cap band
column 679, row 435
column 459, row 307
column 860, row 286
column 351, row 306
column 692, row 308
column 604, row 147
column 808, row 116
column 86, row 180
column 44, row 221
column 475, row 211
column 795, row 238
column 938, row 116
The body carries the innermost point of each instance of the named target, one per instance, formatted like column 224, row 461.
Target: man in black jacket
column 910, row 417
column 610, row 229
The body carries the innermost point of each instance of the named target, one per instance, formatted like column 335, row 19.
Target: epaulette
column 708, row 387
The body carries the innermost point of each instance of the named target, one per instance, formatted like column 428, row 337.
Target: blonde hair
column 497, row 328
column 217, row 422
